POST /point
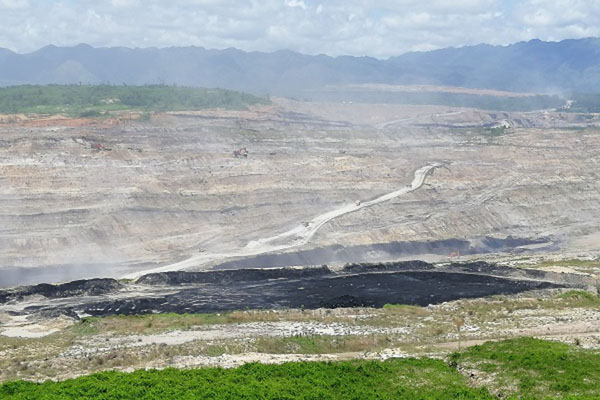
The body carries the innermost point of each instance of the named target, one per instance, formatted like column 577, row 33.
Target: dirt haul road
column 298, row 236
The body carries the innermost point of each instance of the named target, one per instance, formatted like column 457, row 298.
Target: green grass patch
column 496, row 307
column 102, row 100
column 536, row 369
column 493, row 132
column 322, row 344
column 581, row 298
column 360, row 380
column 574, row 263
column 405, row 310
column 496, row 131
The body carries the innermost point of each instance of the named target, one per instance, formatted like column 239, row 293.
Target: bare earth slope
column 170, row 189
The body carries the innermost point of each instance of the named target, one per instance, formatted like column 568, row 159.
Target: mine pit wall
column 549, row 184
column 389, row 251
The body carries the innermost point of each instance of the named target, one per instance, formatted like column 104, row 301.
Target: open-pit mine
column 290, row 219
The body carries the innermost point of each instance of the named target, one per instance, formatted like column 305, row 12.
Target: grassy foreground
column 90, row 101
column 535, row 369
column 392, row 379
column 519, row 368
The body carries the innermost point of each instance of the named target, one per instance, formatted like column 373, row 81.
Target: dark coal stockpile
column 230, row 276
column 92, row 287
column 357, row 285
column 365, row 290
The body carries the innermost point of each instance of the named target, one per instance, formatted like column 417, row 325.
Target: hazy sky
column 376, row 28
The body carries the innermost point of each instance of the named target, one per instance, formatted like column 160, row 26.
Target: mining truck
column 243, row 152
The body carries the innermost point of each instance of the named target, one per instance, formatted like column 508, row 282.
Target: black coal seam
column 366, row 289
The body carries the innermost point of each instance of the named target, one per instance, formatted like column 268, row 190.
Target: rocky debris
column 238, row 331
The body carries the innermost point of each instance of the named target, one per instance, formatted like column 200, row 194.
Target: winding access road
column 298, row 236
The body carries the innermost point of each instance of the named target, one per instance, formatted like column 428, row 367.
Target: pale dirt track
column 298, row 236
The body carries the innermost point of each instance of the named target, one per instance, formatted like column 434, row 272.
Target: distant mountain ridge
column 534, row 66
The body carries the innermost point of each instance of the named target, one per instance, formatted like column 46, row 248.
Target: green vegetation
column 403, row 309
column 361, row 380
column 497, row 131
column 491, row 309
column 583, row 298
column 322, row 344
column 522, row 368
column 493, row 132
column 94, row 101
column 535, row 369
column 577, row 263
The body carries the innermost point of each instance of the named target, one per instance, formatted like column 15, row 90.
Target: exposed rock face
column 171, row 188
